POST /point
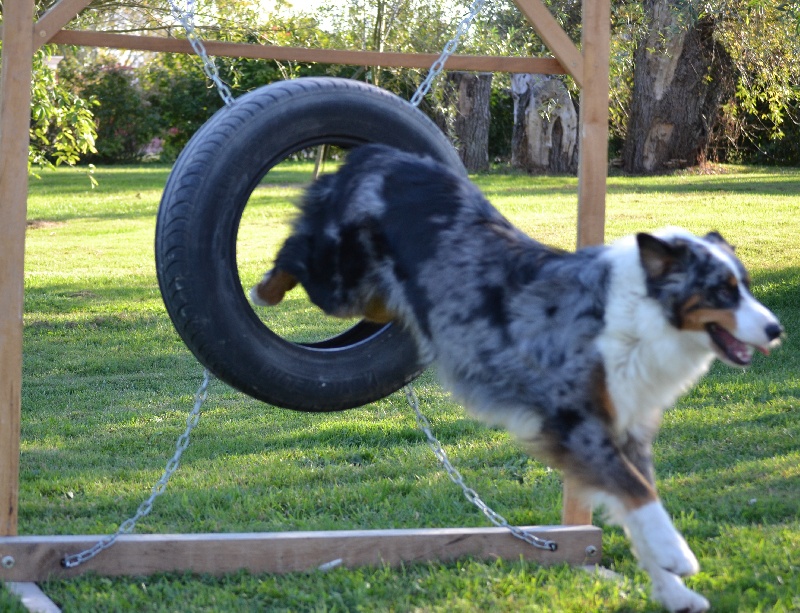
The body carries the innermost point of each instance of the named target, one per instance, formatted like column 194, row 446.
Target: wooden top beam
column 300, row 54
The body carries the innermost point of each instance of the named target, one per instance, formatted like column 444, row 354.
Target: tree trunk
column 680, row 77
column 472, row 118
column 545, row 136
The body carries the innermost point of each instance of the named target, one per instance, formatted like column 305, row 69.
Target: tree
column 124, row 119
column 681, row 76
column 545, row 137
column 710, row 75
column 472, row 118
column 62, row 129
column 761, row 120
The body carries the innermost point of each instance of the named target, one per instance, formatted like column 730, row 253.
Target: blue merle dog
column 577, row 354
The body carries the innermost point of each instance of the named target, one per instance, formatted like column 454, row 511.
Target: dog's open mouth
column 731, row 348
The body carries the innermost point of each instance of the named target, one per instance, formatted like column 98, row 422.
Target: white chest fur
column 649, row 363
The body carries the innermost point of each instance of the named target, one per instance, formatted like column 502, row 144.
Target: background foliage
column 168, row 97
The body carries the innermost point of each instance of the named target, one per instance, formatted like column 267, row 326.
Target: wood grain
column 38, row 557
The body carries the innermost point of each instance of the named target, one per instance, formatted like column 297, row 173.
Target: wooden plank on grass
column 37, row 558
column 32, row 597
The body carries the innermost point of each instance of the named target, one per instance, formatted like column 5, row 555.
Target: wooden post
column 574, row 511
column 15, row 102
column 592, row 169
column 593, row 130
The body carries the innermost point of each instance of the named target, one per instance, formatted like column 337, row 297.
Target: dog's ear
column 716, row 238
column 658, row 257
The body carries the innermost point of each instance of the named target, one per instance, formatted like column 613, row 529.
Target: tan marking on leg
column 376, row 311
column 602, row 395
column 632, row 503
column 274, row 286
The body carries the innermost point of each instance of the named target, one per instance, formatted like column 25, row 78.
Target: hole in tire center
column 264, row 226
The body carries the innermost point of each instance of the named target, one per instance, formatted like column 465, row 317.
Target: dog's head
column 702, row 286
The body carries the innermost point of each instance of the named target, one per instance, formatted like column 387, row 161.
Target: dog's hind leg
column 272, row 288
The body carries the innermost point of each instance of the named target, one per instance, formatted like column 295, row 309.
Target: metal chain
column 449, row 49
column 159, row 488
column 186, row 18
column 470, row 494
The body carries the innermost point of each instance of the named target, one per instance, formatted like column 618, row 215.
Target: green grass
column 108, row 384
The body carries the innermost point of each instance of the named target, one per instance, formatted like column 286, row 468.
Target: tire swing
column 198, row 224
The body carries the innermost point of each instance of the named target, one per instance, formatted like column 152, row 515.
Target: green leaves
column 62, row 123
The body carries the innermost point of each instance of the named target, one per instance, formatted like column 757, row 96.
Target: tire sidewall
column 229, row 156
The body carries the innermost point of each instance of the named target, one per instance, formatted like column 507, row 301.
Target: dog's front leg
column 659, row 547
column 272, row 288
column 619, row 475
column 666, row 557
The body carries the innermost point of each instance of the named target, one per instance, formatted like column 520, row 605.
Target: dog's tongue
column 734, row 349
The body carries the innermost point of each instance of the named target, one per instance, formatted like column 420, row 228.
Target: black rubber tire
column 198, row 222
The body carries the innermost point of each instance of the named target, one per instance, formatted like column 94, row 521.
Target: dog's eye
column 726, row 295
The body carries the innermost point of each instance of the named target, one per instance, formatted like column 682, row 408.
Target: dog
column 576, row 353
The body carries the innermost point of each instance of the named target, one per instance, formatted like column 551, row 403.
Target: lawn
column 108, row 384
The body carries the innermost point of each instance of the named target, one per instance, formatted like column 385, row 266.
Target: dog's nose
column 773, row 331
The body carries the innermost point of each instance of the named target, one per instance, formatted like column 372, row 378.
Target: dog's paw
column 272, row 288
column 669, row 590
column 657, row 543
column 673, row 555
column 255, row 297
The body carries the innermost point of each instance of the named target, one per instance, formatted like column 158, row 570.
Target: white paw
column 253, row 293
column 657, row 543
column 255, row 298
column 670, row 591
column 674, row 556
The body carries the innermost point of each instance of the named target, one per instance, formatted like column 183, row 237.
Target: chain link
column 449, row 49
column 455, row 476
column 128, row 526
column 185, row 15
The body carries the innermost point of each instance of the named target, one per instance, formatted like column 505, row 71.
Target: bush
column 182, row 99
column 125, row 120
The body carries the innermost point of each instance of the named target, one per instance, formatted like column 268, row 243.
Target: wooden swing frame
column 35, row 558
